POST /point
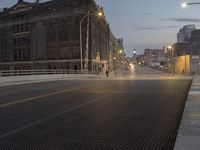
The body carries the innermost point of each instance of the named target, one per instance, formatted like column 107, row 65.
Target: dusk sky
column 144, row 23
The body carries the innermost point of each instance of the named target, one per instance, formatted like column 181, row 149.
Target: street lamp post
column 81, row 43
column 134, row 56
column 120, row 60
column 172, row 54
column 114, row 60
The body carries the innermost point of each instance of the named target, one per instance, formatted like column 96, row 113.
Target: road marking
column 40, row 96
column 56, row 115
column 19, row 101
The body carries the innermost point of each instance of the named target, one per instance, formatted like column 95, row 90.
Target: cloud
column 137, row 27
column 146, row 14
column 170, row 27
column 145, row 28
column 194, row 20
column 140, row 27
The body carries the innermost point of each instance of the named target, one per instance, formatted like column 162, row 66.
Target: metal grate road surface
column 112, row 120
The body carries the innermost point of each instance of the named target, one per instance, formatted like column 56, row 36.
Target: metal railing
column 43, row 72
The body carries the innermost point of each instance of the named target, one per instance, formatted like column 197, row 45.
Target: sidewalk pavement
column 121, row 75
column 16, row 80
column 189, row 133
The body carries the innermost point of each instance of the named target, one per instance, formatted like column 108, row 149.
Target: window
column 76, row 53
column 23, row 27
column 17, row 29
column 51, row 36
column 50, row 24
column 19, row 55
column 64, row 53
column 27, row 27
column 23, row 40
column 63, row 22
column 19, row 41
column 28, row 40
column 15, row 55
column 14, row 29
column 14, row 41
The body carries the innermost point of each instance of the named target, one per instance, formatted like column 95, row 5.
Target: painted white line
column 55, row 115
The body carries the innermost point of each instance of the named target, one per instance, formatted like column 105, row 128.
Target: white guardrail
column 4, row 73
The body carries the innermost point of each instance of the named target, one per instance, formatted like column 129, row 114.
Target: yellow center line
column 39, row 97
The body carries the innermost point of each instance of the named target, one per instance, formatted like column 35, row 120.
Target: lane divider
column 20, row 101
column 40, row 96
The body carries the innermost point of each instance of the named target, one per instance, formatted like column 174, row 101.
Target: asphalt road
column 121, row 114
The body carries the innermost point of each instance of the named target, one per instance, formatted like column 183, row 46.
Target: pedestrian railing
column 43, row 72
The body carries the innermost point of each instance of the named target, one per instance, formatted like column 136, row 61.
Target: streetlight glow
column 170, row 47
column 100, row 14
column 120, row 51
column 184, row 5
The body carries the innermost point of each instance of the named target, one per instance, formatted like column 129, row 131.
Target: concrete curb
column 189, row 132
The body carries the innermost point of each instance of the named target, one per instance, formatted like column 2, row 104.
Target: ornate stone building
column 47, row 36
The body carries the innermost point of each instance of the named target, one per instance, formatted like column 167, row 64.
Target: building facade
column 194, row 46
column 153, row 57
column 180, row 49
column 47, row 36
column 185, row 33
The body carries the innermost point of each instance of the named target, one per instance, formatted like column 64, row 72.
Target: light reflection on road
column 142, row 73
column 132, row 67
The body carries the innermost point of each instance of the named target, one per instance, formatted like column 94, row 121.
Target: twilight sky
column 144, row 23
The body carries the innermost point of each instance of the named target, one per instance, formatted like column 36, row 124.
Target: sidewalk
column 16, row 80
column 189, row 133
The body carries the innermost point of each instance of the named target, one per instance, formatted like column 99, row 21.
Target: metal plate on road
column 140, row 115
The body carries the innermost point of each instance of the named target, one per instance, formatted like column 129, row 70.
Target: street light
column 186, row 4
column 172, row 55
column 134, row 55
column 114, row 59
column 170, row 47
column 99, row 14
column 121, row 59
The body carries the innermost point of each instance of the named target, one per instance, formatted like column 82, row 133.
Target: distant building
column 46, row 36
column 181, row 49
column 185, row 33
column 154, row 56
column 195, row 42
column 186, row 51
column 115, row 57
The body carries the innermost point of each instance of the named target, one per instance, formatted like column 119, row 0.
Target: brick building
column 46, row 36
